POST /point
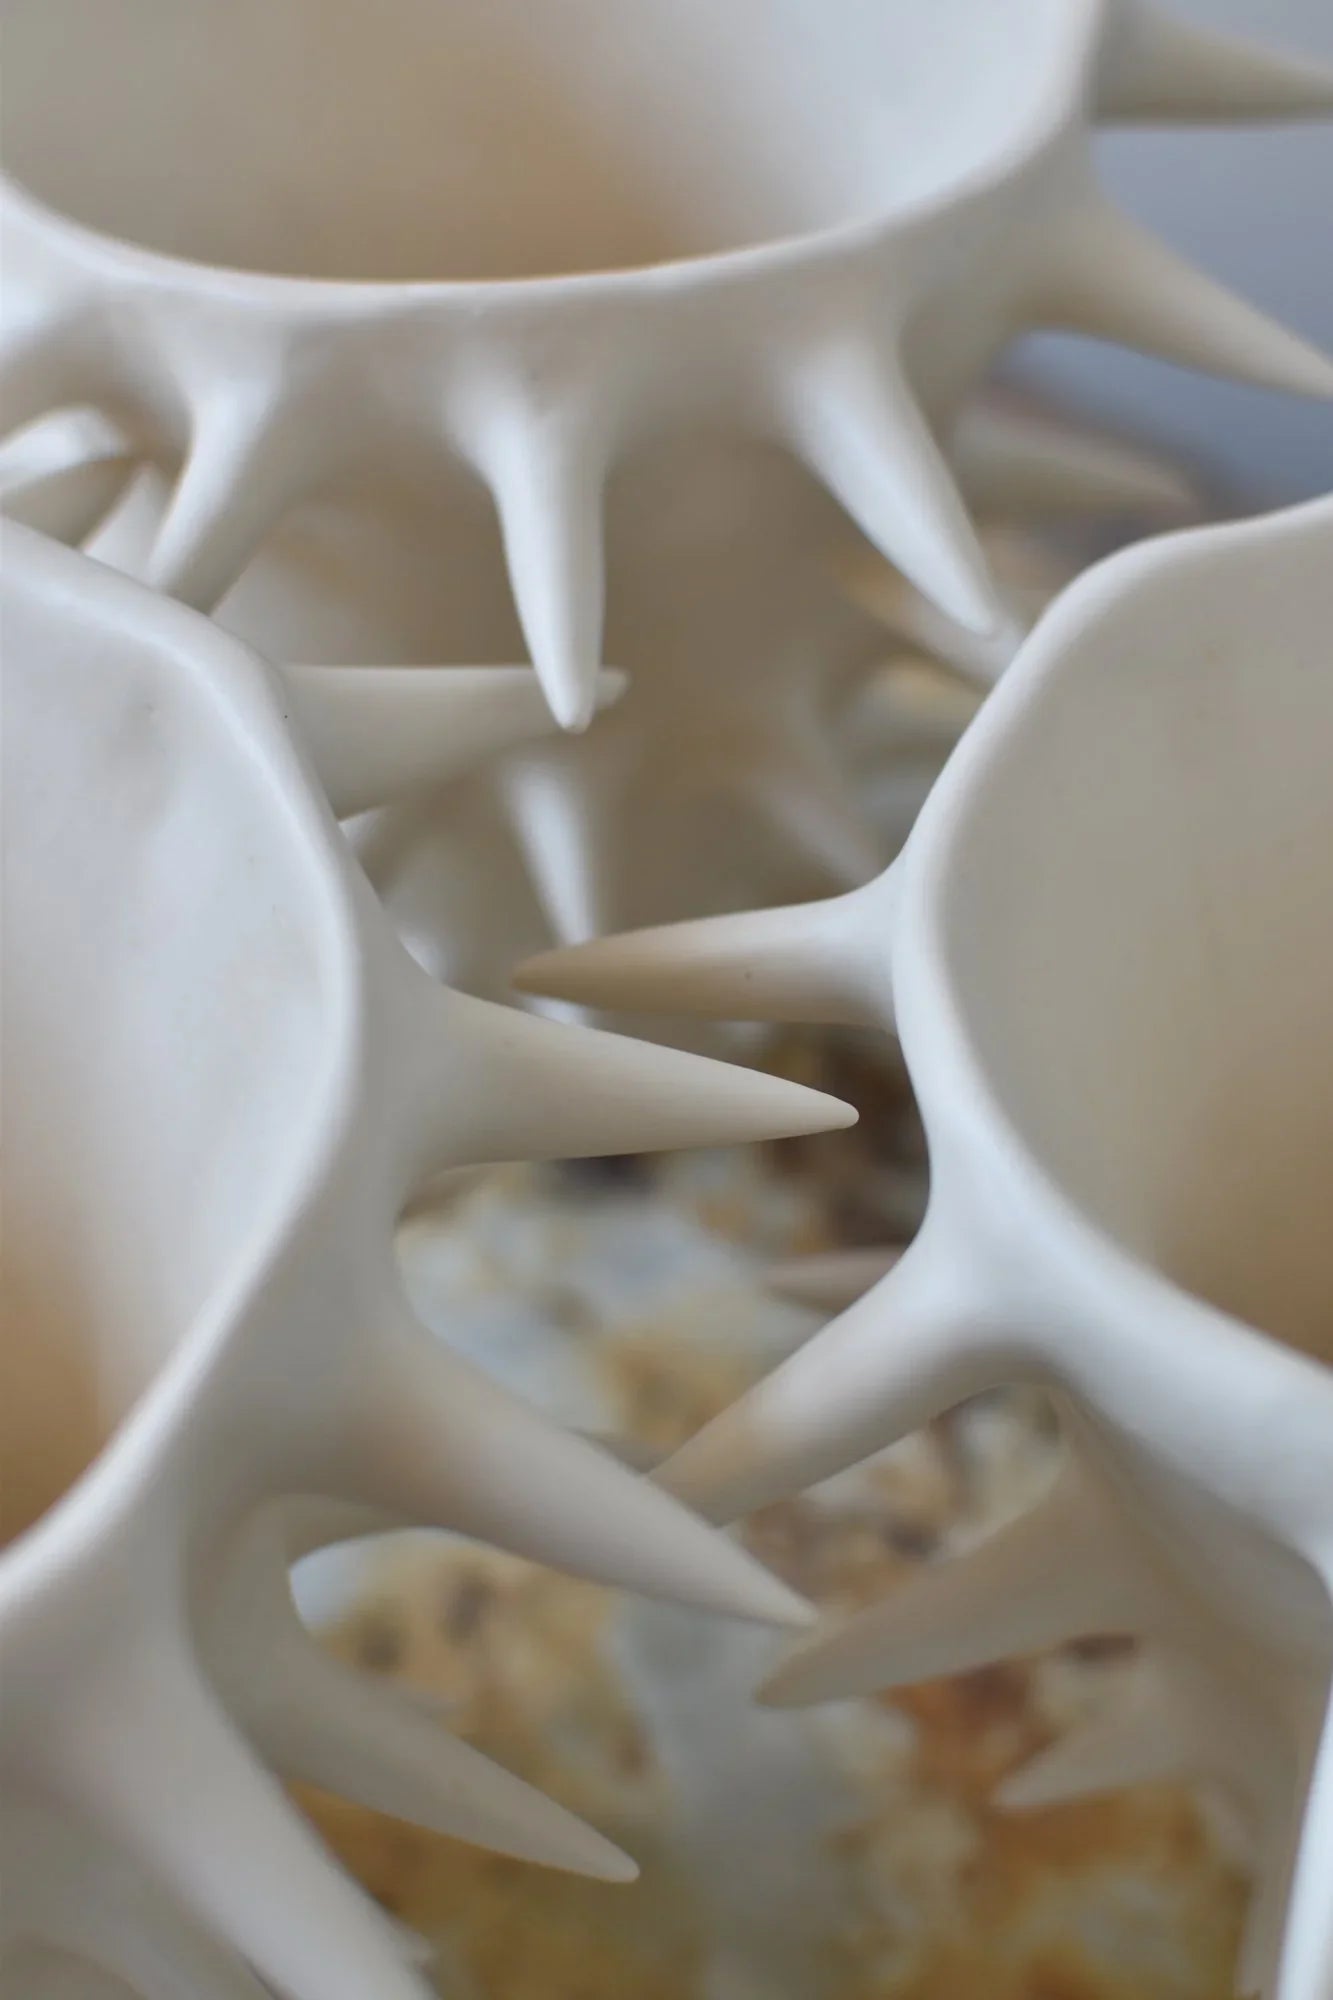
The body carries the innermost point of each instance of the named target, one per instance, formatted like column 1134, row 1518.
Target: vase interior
column 165, row 1021
column 492, row 139
column 1150, row 987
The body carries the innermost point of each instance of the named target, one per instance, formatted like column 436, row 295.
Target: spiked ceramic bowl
column 1107, row 951
column 508, row 245
column 223, row 1078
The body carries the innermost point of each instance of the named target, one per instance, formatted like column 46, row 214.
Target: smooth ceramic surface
column 224, row 1080
column 1106, row 949
column 515, row 245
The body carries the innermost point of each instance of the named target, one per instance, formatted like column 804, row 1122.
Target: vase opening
column 165, row 1036
column 491, row 139
column 1150, row 992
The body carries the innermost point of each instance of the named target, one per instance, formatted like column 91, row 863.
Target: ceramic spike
column 730, row 763
column 1028, row 570
column 896, row 724
column 1106, row 949
column 1016, row 459
column 313, row 305
column 376, row 734
column 722, row 779
column 224, row 1078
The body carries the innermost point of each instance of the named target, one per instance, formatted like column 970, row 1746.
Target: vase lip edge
column 1061, row 108
column 937, row 1029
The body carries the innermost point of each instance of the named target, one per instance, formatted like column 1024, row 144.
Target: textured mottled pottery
column 1107, row 950
column 499, row 248
column 224, row 1078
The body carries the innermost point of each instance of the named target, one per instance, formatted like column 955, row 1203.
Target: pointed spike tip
column 363, row 1741
column 1044, row 1782
column 569, row 691
column 1142, row 1736
column 857, row 423
column 808, row 962
column 379, row 733
column 1050, row 1575
column 796, row 1681
column 547, row 485
column 912, row 1348
column 518, row 1087
column 1162, row 68
column 443, row 1448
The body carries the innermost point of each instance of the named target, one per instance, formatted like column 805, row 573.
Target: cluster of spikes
column 1224, row 1686
column 741, row 719
column 866, row 399
column 165, row 1684
column 159, row 1681
column 723, row 775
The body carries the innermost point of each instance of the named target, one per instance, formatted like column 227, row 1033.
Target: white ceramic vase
column 1107, row 953
column 224, row 1078
column 499, row 248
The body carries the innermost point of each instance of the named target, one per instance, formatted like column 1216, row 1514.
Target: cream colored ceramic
column 508, row 245
column 1108, row 952
column 224, row 1078
column 722, row 779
